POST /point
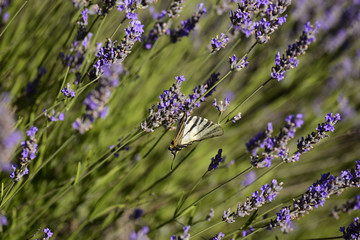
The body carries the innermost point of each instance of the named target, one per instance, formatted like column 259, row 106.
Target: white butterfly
column 193, row 129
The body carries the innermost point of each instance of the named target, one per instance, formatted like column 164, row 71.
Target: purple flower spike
column 274, row 147
column 305, row 144
column 266, row 194
column 286, row 62
column 236, row 65
column 215, row 161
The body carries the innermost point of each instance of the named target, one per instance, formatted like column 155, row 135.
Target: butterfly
column 193, row 129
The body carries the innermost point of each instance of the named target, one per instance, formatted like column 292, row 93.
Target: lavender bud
column 219, row 42
column 267, row 194
column 210, row 215
column 218, row 236
column 352, row 231
column 236, row 65
column 285, row 62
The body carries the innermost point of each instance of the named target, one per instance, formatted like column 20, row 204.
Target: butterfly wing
column 197, row 129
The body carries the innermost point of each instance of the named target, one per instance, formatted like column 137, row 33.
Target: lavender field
column 174, row 119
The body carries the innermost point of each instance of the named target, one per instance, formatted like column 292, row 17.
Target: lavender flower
column 31, row 87
column 352, row 231
column 271, row 19
column 249, row 178
column 306, row 144
column 269, row 11
column 141, row 234
column 215, row 161
column 77, row 51
column 173, row 104
column 47, row 233
column 218, row 236
column 284, row 63
column 175, row 8
column 210, row 215
column 98, row 98
column 3, row 221
column 348, row 207
column 274, row 147
column 188, row 25
column 67, row 91
column 267, row 194
column 316, row 196
column 29, row 147
column 222, row 105
column 236, row 65
column 219, row 42
column 132, row 5
column 52, row 117
column 184, row 236
column 137, row 213
column 113, row 52
column 248, row 231
column 17, row 174
column 236, row 118
column 8, row 137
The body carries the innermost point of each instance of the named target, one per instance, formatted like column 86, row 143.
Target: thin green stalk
column 189, row 193
column 214, row 189
column 118, row 27
column 207, row 229
column 245, row 100
column 166, row 176
column 13, row 18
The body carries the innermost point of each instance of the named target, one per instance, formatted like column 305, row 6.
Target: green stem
column 245, row 100
column 13, row 18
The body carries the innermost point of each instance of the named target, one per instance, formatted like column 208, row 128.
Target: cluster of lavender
column 132, row 5
column 339, row 21
column 31, row 87
column 173, row 104
column 316, row 196
column 210, row 215
column 219, row 42
column 161, row 26
column 248, row 231
column 348, row 207
column 54, row 117
column 3, row 221
column 4, row 15
column 8, row 137
column 47, row 234
column 306, row 144
column 274, row 147
column 67, row 91
column 183, row 236
column 96, row 101
column 188, row 25
column 218, row 236
column 28, row 153
column 215, row 161
column 270, row 11
column 74, row 59
column 113, row 52
column 141, row 234
column 267, row 194
column 352, row 231
column 222, row 105
column 237, row 65
column 288, row 61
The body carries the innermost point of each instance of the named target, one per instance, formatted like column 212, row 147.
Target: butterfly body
column 193, row 129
